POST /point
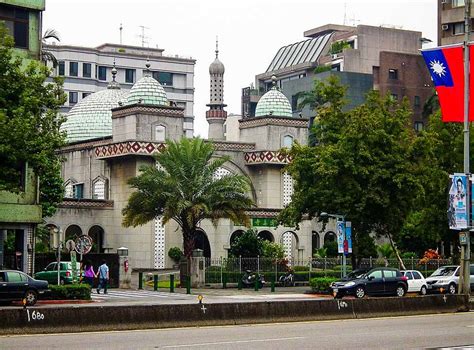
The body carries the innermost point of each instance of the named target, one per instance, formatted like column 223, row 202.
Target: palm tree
column 184, row 188
column 45, row 54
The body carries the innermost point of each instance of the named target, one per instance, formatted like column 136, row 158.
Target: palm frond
column 51, row 34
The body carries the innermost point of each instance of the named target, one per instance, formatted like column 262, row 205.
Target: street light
column 58, row 231
column 343, row 219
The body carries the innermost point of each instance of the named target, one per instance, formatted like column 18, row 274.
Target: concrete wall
column 82, row 318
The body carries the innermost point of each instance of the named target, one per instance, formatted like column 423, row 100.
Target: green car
column 50, row 273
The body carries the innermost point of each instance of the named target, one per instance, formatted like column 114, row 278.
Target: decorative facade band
column 119, row 149
column 263, row 121
column 86, row 203
column 216, row 113
column 166, row 111
column 267, row 157
column 232, row 146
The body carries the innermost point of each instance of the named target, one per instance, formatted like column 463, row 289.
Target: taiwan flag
column 446, row 66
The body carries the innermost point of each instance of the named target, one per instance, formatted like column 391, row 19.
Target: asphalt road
column 414, row 332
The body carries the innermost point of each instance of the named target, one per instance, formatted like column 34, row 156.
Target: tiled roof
column 91, row 118
column 147, row 91
column 300, row 52
column 273, row 103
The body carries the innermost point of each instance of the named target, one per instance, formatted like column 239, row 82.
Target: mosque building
column 112, row 133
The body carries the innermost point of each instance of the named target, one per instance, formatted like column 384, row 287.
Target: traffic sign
column 83, row 244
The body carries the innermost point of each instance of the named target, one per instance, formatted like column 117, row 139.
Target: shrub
column 409, row 255
column 71, row 292
column 321, row 284
column 175, row 254
column 300, row 268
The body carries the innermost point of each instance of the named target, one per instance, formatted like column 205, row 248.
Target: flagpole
column 464, row 285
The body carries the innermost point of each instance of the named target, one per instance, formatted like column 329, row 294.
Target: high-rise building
column 451, row 21
column 87, row 70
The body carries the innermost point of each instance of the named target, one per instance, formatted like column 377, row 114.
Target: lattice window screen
column 159, row 256
column 288, row 245
column 69, row 190
column 287, row 188
column 220, row 173
column 99, row 189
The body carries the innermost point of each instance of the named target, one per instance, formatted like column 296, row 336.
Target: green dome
column 273, row 103
column 92, row 117
column 147, row 91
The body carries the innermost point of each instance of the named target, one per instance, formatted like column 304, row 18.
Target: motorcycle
column 249, row 277
column 287, row 280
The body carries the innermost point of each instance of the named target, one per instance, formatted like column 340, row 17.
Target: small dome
column 147, row 91
column 92, row 117
column 216, row 67
column 273, row 103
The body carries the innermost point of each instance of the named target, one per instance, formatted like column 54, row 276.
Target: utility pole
column 121, row 33
column 464, row 276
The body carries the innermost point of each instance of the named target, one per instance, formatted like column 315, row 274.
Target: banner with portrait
column 457, row 202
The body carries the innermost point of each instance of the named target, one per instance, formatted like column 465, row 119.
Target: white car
column 416, row 282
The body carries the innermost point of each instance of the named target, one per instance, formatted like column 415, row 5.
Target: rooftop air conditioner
column 445, row 27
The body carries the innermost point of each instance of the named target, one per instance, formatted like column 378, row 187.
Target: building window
column 68, row 188
column 72, row 97
column 102, row 73
column 17, row 23
column 73, row 69
column 130, row 75
column 160, row 133
column 78, row 191
column 417, row 101
column 458, row 3
column 85, row 94
column 458, row 28
column 86, row 70
column 165, row 78
column 294, row 103
column 61, row 68
column 287, row 141
column 393, row 73
column 99, row 188
column 419, row 126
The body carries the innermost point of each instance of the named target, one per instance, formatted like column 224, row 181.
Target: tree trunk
column 188, row 243
column 397, row 254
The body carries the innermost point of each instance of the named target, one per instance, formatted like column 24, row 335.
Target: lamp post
column 344, row 256
column 58, row 231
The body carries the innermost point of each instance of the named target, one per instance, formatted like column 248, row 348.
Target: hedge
column 321, row 284
column 70, row 292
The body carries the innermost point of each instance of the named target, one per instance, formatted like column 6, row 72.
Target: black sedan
column 16, row 285
column 378, row 281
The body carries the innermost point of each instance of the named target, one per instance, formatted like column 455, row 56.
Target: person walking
column 103, row 274
column 89, row 273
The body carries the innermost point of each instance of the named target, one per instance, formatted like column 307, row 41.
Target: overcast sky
column 250, row 31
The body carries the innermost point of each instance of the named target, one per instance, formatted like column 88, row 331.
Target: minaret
column 216, row 115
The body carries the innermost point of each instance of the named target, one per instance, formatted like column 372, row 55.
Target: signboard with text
column 264, row 222
column 457, row 202
column 340, row 229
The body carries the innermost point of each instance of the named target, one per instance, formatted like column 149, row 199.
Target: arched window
column 68, row 189
column 160, row 133
column 287, row 141
column 220, row 173
column 99, row 188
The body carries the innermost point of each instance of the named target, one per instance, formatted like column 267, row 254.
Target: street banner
column 457, row 203
column 349, row 236
column 340, row 228
column 74, row 266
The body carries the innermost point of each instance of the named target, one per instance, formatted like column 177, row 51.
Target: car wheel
column 423, row 290
column 31, row 297
column 360, row 292
column 452, row 288
column 400, row 291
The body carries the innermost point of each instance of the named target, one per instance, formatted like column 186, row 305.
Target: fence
column 230, row 270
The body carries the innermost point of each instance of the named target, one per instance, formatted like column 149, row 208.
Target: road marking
column 229, row 342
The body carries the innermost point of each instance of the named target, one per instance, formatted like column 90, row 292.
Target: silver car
column 446, row 279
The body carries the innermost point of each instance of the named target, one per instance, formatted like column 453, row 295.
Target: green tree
column 186, row 190
column 364, row 166
column 247, row 245
column 272, row 250
column 29, row 125
column 385, row 250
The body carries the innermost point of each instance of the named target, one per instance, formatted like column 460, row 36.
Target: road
column 413, row 332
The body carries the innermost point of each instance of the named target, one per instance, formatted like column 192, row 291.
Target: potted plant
column 175, row 254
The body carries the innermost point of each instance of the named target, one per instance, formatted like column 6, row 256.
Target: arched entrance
column 72, row 232
column 290, row 243
column 315, row 243
column 202, row 242
column 97, row 234
column 266, row 235
column 329, row 237
column 235, row 235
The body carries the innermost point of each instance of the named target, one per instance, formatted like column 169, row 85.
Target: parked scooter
column 287, row 279
column 248, row 279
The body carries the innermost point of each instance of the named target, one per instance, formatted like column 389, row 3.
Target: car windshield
column 444, row 271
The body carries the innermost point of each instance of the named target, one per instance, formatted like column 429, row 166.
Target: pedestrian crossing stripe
column 118, row 294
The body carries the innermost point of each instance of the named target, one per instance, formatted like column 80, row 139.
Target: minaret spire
column 216, row 115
